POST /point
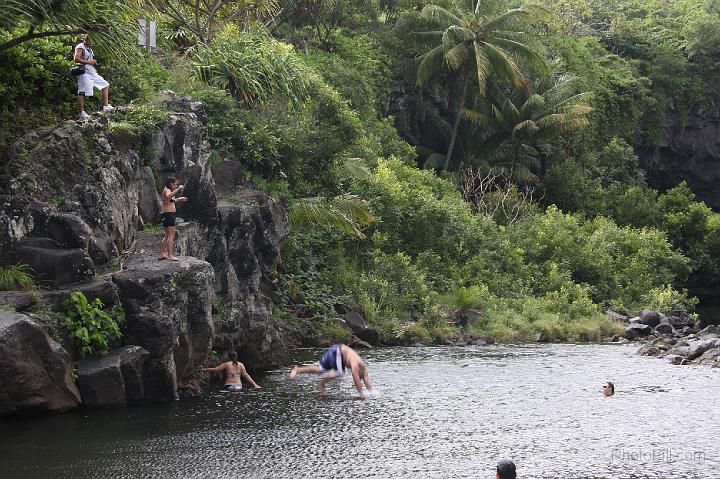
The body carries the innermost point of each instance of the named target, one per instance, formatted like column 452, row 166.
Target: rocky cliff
column 688, row 150
column 81, row 195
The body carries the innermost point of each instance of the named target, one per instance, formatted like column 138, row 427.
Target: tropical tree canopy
column 518, row 123
column 478, row 38
column 112, row 23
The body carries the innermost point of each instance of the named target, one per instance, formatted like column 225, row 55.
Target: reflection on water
column 439, row 412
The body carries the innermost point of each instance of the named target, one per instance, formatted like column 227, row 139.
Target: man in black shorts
column 167, row 217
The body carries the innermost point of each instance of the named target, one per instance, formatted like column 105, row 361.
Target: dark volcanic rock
column 51, row 264
column 689, row 150
column 355, row 322
column 148, row 198
column 680, row 319
column 698, row 348
column 34, row 369
column 637, row 330
column 115, row 380
column 168, row 309
column 101, row 288
column 619, row 318
column 241, row 246
column 18, row 300
column 650, row 317
column 665, row 328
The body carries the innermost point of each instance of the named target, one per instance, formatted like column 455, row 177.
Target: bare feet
column 294, row 372
column 162, row 258
column 173, row 258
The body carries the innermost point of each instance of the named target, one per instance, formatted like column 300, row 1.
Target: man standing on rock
column 333, row 365
column 90, row 78
column 167, row 217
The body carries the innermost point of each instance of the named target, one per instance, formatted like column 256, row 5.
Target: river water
column 439, row 412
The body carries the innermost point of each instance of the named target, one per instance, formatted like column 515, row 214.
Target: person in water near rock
column 167, row 217
column 608, row 388
column 505, row 470
column 235, row 370
column 333, row 364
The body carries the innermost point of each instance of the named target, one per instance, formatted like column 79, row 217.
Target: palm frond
column 443, row 16
column 346, row 213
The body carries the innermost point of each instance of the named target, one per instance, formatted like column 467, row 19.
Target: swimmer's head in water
column 608, row 389
column 506, row 470
column 171, row 182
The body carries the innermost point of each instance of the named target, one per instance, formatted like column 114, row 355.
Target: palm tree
column 479, row 41
column 112, row 23
column 521, row 123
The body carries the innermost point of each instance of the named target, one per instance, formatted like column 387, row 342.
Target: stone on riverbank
column 637, row 330
column 650, row 317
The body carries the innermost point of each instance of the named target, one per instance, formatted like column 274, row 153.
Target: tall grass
column 16, row 278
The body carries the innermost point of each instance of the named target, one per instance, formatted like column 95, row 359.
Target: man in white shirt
column 90, row 79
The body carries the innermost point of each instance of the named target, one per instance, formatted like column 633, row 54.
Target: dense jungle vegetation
column 463, row 166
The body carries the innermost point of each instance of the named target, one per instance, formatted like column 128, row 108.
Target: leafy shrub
column 91, row 328
column 16, row 278
column 329, row 330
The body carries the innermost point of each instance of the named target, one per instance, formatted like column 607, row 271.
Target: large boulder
column 698, row 348
column 356, row 323
column 101, row 288
column 115, row 380
column 650, row 317
column 34, row 370
column 637, row 330
column 168, row 311
column 665, row 328
column 680, row 319
column 51, row 264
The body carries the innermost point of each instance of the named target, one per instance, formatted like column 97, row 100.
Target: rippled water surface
column 439, row 412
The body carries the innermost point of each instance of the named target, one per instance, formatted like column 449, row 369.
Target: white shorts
column 90, row 79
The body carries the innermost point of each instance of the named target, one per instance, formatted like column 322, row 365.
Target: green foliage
column 329, row 330
column 345, row 213
column 16, row 278
column 255, row 69
column 91, row 329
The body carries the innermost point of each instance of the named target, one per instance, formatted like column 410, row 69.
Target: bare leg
column 105, row 95
column 171, row 244
column 163, row 246
column 329, row 376
column 81, row 102
column 304, row 370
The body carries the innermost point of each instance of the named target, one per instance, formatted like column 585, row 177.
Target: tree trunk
column 31, row 36
column 458, row 118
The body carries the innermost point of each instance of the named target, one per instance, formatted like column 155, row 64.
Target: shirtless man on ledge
column 333, row 364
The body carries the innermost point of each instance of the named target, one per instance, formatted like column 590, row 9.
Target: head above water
column 506, row 470
column 608, row 388
column 170, row 181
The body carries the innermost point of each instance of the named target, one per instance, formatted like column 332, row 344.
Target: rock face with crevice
column 80, row 193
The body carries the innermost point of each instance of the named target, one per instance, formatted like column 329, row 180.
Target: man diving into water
column 333, row 364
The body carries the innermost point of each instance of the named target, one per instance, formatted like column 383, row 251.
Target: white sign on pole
column 146, row 37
